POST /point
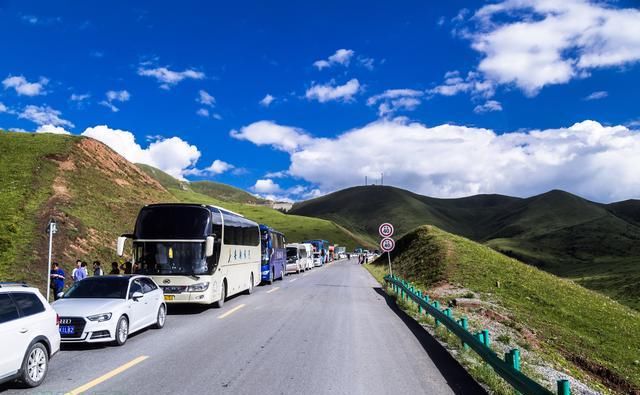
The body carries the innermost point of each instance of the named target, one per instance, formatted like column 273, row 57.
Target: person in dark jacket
column 114, row 268
column 57, row 280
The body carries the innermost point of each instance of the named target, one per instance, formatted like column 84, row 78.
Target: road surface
column 328, row 331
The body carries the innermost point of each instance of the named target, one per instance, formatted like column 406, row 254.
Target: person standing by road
column 114, row 268
column 97, row 270
column 57, row 280
column 78, row 273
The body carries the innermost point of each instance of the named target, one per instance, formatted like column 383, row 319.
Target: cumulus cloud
column 79, row 97
column 217, row 167
column 205, row 98
column 542, row 43
column 24, row 87
column 330, row 91
column 488, row 106
column 3, row 108
column 115, row 96
column 44, row 115
column 168, row 78
column 266, row 186
column 267, row 100
column 597, row 95
column 284, row 138
column 393, row 100
column 51, row 129
column 203, row 112
column 171, row 155
column 453, row 161
column 472, row 83
column 341, row 57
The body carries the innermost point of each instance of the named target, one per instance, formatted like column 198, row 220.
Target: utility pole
column 365, row 181
column 51, row 229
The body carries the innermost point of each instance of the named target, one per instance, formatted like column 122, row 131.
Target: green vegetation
column 95, row 194
column 596, row 245
column 589, row 330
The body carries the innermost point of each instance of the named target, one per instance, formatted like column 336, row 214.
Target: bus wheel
column 223, row 295
column 271, row 276
column 250, row 289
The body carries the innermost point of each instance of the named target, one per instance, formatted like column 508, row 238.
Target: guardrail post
column 485, row 338
column 419, row 305
column 465, row 326
column 480, row 337
column 513, row 358
column 564, row 387
column 436, row 305
column 447, row 312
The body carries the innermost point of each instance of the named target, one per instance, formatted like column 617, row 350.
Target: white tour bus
column 196, row 253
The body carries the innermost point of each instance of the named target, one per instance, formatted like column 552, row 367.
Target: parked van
column 296, row 258
column 309, row 256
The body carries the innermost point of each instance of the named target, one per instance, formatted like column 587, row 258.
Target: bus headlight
column 199, row 287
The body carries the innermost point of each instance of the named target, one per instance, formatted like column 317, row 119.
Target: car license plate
column 169, row 297
column 67, row 329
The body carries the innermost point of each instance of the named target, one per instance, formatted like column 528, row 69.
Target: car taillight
column 57, row 320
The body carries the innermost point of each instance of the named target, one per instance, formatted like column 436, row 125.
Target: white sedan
column 109, row 308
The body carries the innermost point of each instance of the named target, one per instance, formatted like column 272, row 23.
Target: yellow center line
column 107, row 376
column 273, row 290
column 233, row 310
column 293, row 280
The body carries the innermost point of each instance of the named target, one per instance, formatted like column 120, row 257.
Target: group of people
column 80, row 272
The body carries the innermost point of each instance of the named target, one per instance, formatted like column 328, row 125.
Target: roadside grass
column 577, row 329
column 27, row 170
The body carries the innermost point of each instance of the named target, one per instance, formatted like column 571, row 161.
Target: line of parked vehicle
column 182, row 253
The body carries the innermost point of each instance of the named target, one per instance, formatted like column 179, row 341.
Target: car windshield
column 185, row 258
column 292, row 252
column 99, row 287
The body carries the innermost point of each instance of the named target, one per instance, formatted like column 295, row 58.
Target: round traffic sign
column 386, row 230
column 387, row 244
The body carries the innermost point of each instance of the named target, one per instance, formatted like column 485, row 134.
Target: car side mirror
column 137, row 295
column 120, row 245
column 209, row 246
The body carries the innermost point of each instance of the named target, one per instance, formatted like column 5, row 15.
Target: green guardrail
column 480, row 342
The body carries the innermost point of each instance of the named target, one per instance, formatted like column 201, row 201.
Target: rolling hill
column 586, row 330
column 597, row 245
column 94, row 194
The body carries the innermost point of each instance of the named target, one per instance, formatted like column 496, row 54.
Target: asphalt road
column 328, row 331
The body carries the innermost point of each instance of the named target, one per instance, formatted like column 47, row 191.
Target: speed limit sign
column 387, row 244
column 386, row 230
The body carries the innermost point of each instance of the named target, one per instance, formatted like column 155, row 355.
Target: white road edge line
column 233, row 310
column 273, row 290
column 293, row 280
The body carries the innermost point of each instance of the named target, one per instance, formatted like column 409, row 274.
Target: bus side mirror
column 209, row 246
column 120, row 245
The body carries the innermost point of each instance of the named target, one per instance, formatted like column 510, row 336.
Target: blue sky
column 446, row 99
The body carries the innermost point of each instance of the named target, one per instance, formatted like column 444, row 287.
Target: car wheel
column 250, row 289
column 35, row 365
column 223, row 296
column 122, row 331
column 161, row 318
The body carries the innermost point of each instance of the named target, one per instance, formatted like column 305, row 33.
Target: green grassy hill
column 588, row 330
column 95, row 194
column 594, row 244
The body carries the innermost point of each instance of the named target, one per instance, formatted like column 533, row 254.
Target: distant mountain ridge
column 596, row 244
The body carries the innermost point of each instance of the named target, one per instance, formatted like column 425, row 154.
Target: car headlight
column 100, row 317
column 199, row 287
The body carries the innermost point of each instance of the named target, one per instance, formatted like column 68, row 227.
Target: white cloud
column 267, row 100
column 341, row 56
column 43, row 115
column 277, row 174
column 169, row 78
column 205, row 98
column 393, row 100
column 171, row 155
column 266, row 186
column 329, row 92
column 472, row 83
column 488, row 106
column 548, row 42
column 112, row 96
column 217, row 116
column 367, row 63
column 24, row 87
column 285, row 138
column 79, row 97
column 203, row 112
column 3, row 108
column 217, row 167
column 589, row 159
column 597, row 95
column 51, row 129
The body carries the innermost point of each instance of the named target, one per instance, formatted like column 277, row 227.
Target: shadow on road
column 457, row 377
column 192, row 309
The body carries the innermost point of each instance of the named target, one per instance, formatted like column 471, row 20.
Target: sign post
column 51, row 229
column 387, row 244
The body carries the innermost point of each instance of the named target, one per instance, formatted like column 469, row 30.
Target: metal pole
column 389, row 257
column 49, row 261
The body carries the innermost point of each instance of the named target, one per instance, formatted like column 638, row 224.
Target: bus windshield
column 186, row 258
column 172, row 222
column 292, row 253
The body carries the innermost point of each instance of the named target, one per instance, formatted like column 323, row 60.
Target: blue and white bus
column 274, row 254
column 321, row 247
column 196, row 253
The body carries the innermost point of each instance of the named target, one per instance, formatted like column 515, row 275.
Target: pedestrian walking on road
column 78, row 273
column 114, row 268
column 57, row 280
column 97, row 270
